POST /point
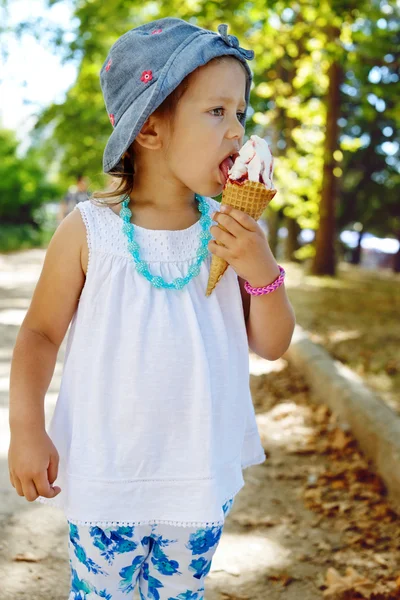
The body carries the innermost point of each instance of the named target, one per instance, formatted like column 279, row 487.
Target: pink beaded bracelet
column 258, row 291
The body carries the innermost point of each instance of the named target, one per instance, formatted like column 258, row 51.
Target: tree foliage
column 325, row 97
column 23, row 183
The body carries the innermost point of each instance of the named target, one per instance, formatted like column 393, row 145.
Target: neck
column 163, row 200
column 153, row 219
column 156, row 188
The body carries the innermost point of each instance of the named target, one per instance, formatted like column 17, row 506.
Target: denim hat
column 146, row 64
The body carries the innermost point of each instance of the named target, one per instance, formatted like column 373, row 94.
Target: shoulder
column 73, row 225
column 81, row 218
column 96, row 233
column 90, row 211
column 61, row 281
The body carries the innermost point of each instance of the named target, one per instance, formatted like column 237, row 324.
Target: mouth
column 226, row 165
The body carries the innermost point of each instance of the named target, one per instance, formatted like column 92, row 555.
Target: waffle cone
column 250, row 197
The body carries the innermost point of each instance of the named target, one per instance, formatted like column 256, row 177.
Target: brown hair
column 127, row 175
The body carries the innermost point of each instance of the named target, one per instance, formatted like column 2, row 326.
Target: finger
column 228, row 224
column 18, row 486
column 241, row 217
column 222, row 236
column 44, row 488
column 30, row 491
column 219, row 251
column 52, row 469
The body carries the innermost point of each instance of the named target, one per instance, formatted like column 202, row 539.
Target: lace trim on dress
column 56, row 504
column 89, row 243
column 134, row 523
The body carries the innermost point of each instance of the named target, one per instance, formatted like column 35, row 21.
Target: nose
column 235, row 129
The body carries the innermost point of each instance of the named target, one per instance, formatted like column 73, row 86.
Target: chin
column 210, row 190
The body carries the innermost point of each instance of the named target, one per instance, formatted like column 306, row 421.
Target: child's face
column 206, row 128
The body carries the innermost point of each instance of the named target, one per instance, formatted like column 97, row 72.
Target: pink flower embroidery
column 112, row 119
column 156, row 31
column 147, row 76
column 108, row 64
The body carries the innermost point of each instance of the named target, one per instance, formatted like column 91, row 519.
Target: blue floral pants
column 169, row 562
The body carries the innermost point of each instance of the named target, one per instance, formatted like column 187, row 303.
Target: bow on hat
column 233, row 42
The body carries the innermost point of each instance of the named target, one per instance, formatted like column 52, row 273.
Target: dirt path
column 311, row 511
column 354, row 316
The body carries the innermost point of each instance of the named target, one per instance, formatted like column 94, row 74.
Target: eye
column 213, row 109
column 241, row 115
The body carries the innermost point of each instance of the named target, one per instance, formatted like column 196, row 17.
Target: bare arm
column 32, row 367
column 33, row 459
column 271, row 319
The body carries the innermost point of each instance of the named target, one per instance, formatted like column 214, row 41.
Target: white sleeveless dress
column 154, row 420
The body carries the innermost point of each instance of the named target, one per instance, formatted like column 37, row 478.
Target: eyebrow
column 224, row 99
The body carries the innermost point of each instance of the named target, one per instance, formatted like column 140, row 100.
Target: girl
column 154, row 422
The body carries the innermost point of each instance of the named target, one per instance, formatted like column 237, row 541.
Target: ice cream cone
column 251, row 197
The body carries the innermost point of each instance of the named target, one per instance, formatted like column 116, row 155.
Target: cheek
column 192, row 151
column 195, row 149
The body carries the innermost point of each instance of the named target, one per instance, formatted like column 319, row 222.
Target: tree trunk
column 324, row 259
column 396, row 262
column 356, row 254
column 291, row 242
column 273, row 219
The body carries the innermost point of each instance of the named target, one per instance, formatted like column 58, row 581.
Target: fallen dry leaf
column 27, row 557
column 246, row 521
column 283, row 578
column 352, row 581
column 227, row 596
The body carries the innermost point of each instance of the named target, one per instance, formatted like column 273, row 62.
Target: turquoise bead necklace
column 143, row 268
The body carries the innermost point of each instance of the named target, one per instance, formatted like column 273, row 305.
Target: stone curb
column 374, row 425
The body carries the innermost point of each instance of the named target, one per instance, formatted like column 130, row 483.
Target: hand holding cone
column 251, row 197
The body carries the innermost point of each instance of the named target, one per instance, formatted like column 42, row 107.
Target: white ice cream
column 254, row 159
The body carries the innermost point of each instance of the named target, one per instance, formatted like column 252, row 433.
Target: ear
column 150, row 136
